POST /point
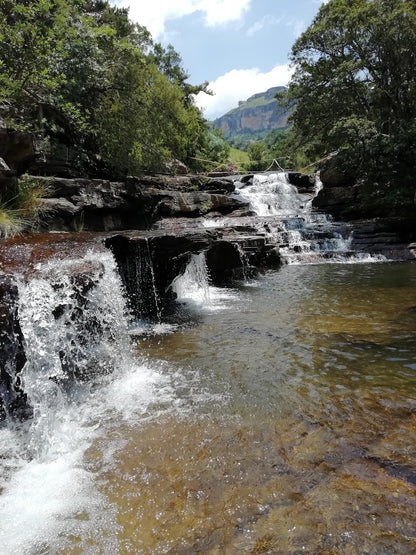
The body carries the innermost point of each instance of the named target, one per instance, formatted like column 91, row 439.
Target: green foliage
column 245, row 138
column 355, row 87
column 206, row 207
column 81, row 73
column 20, row 206
column 215, row 146
column 239, row 158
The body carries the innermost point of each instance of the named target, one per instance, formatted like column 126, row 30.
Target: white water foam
column 50, row 501
column 49, row 497
column 272, row 195
column 303, row 236
column 193, row 287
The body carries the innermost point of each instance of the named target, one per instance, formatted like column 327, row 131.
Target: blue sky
column 240, row 46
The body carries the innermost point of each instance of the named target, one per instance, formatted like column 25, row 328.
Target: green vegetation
column 20, row 206
column 79, row 73
column 355, row 89
column 238, row 157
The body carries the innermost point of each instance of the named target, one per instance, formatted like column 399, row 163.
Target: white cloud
column 256, row 27
column 265, row 21
column 239, row 84
column 297, row 26
column 153, row 14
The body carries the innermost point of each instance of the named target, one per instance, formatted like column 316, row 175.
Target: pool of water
column 279, row 418
column 299, row 428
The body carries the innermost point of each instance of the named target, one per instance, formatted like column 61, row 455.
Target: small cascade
column 153, row 283
column 244, row 262
column 289, row 221
column 73, row 320
column 193, row 284
column 193, row 287
column 272, row 195
column 135, row 264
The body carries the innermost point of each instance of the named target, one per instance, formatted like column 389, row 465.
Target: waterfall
column 193, row 284
column 73, row 320
column 135, row 264
column 80, row 376
column 272, row 195
column 193, row 287
column 289, row 221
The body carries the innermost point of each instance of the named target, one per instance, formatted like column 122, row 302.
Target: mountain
column 258, row 114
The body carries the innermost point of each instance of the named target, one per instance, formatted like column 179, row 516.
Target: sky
column 241, row 47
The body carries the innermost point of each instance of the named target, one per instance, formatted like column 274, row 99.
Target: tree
column 355, row 86
column 80, row 73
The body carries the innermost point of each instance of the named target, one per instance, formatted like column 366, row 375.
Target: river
column 275, row 417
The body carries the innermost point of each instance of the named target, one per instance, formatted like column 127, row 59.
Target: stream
column 275, row 416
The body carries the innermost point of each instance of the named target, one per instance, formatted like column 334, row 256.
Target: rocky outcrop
column 260, row 112
column 348, row 198
column 383, row 217
column 16, row 148
column 13, row 401
column 100, row 205
column 149, row 262
column 389, row 237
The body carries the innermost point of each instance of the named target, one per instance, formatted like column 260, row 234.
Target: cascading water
column 73, row 320
column 287, row 216
column 272, row 195
column 193, row 286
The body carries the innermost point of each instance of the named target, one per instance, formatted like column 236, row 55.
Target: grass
column 22, row 211
column 238, row 157
column 10, row 222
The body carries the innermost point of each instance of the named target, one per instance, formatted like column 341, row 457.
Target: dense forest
column 80, row 76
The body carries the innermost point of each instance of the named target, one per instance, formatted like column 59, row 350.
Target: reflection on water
column 283, row 423
column 313, row 446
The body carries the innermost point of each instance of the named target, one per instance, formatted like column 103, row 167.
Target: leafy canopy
column 80, row 73
column 355, row 86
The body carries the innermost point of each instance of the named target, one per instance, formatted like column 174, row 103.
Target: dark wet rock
column 148, row 265
column 390, row 237
column 304, row 182
column 193, row 204
column 332, row 175
column 335, row 200
column 13, row 400
column 16, row 149
column 100, row 205
column 223, row 260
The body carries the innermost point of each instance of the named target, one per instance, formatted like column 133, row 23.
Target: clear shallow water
column 280, row 419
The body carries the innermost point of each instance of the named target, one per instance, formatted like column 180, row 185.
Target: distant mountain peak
column 259, row 113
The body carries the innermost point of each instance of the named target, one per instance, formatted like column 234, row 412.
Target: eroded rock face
column 258, row 113
column 13, row 400
column 100, row 205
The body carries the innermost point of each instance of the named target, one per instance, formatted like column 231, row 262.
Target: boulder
column 194, row 204
column 16, row 149
column 332, row 175
column 335, row 199
column 304, row 182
